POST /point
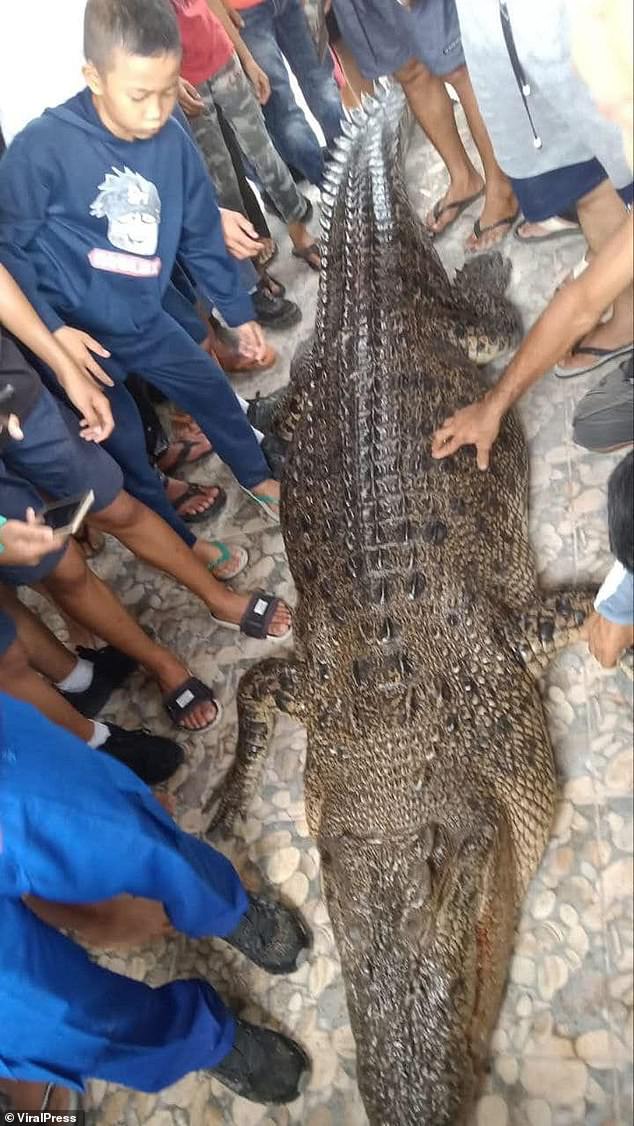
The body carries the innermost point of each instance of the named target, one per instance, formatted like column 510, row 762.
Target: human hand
column 27, row 542
column 258, row 80
column 79, row 346
column 189, row 99
column 96, row 421
column 607, row 640
column 476, row 425
column 241, row 238
column 252, row 341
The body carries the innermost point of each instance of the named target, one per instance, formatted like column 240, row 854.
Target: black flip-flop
column 187, row 445
column 305, row 254
column 182, row 701
column 479, row 231
column 194, row 490
column 257, row 618
column 571, row 230
column 601, row 356
column 459, row 205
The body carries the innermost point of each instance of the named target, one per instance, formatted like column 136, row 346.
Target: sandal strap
column 225, row 554
column 179, row 703
column 581, row 349
column 479, row 230
column 259, row 614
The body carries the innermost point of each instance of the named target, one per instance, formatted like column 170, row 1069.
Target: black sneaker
column 151, row 757
column 264, row 1066
column 271, row 936
column 261, row 410
column 274, row 312
column 110, row 670
column 275, row 452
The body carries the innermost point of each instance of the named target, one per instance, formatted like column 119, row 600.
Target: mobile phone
column 65, row 516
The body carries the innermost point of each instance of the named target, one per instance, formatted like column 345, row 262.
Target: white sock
column 100, row 733
column 79, row 679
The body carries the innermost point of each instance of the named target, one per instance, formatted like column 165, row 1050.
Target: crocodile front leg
column 269, row 687
column 551, row 623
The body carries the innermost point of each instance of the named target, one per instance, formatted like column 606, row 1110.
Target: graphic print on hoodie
column 90, row 225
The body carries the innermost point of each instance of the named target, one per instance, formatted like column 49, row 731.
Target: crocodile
column 420, row 632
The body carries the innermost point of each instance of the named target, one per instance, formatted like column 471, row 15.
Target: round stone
column 296, row 889
column 619, row 776
column 543, row 904
column 617, row 880
column 524, row 1006
column 320, row 1117
column 281, row 865
column 600, row 1050
column 552, row 975
column 507, row 1068
column 492, row 1111
column 561, row 1082
column 322, row 972
column 538, row 1112
column 522, row 971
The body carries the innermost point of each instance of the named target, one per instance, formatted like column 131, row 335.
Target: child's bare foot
column 224, row 561
column 304, row 245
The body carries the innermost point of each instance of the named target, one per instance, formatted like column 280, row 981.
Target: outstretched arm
column 573, row 312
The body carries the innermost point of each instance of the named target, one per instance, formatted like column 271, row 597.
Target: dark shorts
column 556, row 192
column 51, row 461
column 383, row 35
column 604, row 418
column 8, row 632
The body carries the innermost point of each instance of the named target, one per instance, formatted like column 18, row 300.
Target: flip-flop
column 179, row 703
column 225, row 555
column 602, row 356
column 479, row 231
column 183, row 458
column 263, row 500
column 557, row 229
column 307, row 253
column 194, row 490
column 459, row 205
column 257, row 617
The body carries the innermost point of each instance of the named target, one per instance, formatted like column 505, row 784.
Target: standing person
column 137, row 196
column 275, row 30
column 212, row 68
column 421, row 48
column 80, row 828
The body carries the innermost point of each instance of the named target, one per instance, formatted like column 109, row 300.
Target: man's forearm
column 572, row 313
column 18, row 315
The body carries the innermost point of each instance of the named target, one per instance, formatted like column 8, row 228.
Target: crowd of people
column 135, row 257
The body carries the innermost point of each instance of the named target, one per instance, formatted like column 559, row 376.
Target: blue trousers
column 275, row 29
column 167, row 356
column 78, row 827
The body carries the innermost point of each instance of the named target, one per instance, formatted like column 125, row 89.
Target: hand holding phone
column 65, row 517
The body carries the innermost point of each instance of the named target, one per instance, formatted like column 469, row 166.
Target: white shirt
column 41, row 58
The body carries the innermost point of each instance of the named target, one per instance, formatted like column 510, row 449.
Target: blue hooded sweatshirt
column 90, row 225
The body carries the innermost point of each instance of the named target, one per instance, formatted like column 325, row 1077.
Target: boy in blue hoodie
column 97, row 199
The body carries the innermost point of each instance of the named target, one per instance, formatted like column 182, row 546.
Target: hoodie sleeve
column 202, row 245
column 25, row 192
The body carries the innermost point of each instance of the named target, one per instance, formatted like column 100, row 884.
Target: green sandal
column 265, row 502
column 226, row 553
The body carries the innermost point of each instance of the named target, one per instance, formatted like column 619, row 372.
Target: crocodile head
column 424, row 930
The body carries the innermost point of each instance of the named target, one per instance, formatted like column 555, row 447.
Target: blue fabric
column 16, row 495
column 77, row 827
column 275, row 29
column 383, row 35
column 93, row 239
column 615, row 600
column 556, row 192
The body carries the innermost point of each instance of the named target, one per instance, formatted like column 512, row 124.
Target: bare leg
column 433, row 109
column 150, row 539
column 18, row 679
column 43, row 650
column 499, row 198
column 601, row 213
column 90, row 602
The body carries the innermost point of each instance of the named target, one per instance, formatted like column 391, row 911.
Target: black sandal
column 194, row 490
column 182, row 701
column 182, row 458
column 257, row 618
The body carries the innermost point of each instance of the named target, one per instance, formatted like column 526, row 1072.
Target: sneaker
column 151, row 757
column 274, row 312
column 110, row 670
column 264, row 1066
column 275, row 452
column 262, row 409
column 271, row 936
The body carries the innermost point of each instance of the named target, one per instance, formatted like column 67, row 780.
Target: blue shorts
column 557, row 192
column 383, row 35
column 51, row 461
column 8, row 632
